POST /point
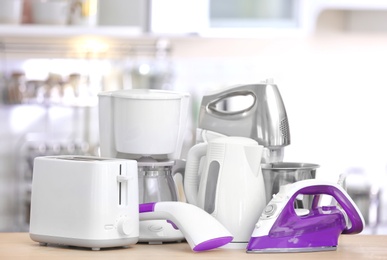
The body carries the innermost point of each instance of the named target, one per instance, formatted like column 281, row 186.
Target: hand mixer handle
column 345, row 201
column 229, row 93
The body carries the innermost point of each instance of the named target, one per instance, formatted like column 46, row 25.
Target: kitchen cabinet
column 118, row 21
column 364, row 16
column 230, row 18
column 117, row 34
column 133, row 20
column 212, row 18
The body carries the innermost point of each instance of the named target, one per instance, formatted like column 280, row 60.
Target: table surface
column 19, row 245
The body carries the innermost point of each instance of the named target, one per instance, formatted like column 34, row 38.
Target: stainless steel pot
column 281, row 173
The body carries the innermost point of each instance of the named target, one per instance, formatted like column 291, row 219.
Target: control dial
column 125, row 226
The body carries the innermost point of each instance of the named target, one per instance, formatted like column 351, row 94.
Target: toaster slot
column 122, row 188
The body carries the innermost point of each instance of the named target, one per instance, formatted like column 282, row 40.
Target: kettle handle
column 192, row 174
column 211, row 106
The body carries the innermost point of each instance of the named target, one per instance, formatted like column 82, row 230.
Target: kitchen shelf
column 54, row 31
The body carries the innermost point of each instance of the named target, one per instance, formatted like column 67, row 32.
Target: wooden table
column 20, row 246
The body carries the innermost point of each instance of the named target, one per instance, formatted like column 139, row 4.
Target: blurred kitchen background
column 327, row 57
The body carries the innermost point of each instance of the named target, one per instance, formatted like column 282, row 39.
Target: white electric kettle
column 230, row 185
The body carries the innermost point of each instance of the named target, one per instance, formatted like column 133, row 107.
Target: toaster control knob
column 125, row 226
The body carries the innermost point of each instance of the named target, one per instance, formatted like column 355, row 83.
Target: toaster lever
column 122, row 189
column 122, row 178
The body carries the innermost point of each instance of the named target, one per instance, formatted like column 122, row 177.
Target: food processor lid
column 146, row 94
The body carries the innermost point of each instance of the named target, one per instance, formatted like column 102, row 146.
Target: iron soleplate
column 292, row 250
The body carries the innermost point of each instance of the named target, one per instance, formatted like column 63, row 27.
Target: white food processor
column 148, row 126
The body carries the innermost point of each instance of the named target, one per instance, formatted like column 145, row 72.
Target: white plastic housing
column 230, row 186
column 142, row 122
column 84, row 201
column 158, row 231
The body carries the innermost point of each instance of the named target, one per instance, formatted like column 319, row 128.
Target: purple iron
column 201, row 230
column 282, row 228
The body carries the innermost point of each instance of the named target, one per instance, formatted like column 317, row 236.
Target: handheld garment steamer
column 201, row 230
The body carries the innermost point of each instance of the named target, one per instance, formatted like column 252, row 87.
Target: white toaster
column 84, row 201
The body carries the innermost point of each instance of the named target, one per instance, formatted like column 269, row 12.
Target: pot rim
column 289, row 166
